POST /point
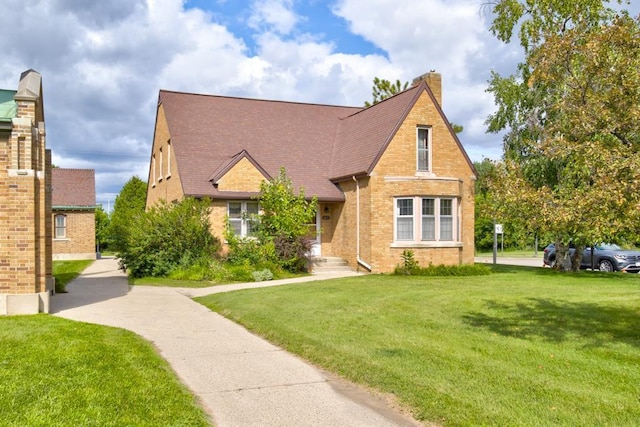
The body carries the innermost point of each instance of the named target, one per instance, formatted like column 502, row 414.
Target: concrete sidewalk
column 241, row 379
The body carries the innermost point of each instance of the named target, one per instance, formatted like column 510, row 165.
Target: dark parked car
column 606, row 257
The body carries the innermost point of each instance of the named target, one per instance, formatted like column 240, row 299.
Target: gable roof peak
column 233, row 160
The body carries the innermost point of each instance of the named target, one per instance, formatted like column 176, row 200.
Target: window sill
column 61, row 239
column 400, row 244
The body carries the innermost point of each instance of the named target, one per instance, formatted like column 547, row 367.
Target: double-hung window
column 426, row 219
column 404, row 219
column 423, row 149
column 243, row 217
column 60, row 231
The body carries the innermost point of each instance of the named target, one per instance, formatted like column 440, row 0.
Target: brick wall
column 243, row 176
column 164, row 178
column 80, row 242
column 395, row 175
column 25, row 252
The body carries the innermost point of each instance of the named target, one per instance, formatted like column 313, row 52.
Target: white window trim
column 429, row 149
column 417, row 223
column 242, row 219
column 161, row 165
column 153, row 184
column 168, row 159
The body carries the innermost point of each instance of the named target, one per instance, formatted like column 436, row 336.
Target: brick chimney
column 434, row 81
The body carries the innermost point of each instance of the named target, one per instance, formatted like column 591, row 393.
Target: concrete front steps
column 328, row 264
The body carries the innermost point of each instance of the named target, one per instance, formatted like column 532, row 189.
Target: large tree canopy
column 571, row 116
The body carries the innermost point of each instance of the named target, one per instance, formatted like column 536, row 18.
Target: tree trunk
column 563, row 263
column 576, row 258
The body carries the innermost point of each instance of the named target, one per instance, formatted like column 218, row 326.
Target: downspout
column 360, row 261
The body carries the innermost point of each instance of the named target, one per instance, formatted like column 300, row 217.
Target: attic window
column 423, row 149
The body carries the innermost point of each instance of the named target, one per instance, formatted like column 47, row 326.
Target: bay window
column 438, row 220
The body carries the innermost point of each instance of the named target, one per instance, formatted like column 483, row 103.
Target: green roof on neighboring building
column 8, row 105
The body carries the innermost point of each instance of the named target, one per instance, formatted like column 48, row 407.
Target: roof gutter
column 360, row 261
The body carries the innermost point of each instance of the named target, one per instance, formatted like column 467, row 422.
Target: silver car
column 606, row 257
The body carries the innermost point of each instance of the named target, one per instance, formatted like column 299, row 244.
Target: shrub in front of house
column 169, row 236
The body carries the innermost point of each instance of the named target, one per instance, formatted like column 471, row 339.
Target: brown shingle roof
column 316, row 144
column 73, row 187
column 362, row 137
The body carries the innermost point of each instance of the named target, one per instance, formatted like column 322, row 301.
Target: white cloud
column 450, row 37
column 274, row 15
column 103, row 63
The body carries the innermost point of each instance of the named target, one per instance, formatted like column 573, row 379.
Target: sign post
column 497, row 229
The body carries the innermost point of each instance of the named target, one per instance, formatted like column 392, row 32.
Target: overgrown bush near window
column 285, row 221
column 279, row 233
column 251, row 250
column 169, row 236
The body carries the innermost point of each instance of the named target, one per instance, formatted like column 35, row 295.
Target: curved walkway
column 240, row 379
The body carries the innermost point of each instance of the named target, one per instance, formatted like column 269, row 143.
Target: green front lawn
column 57, row 372
column 523, row 346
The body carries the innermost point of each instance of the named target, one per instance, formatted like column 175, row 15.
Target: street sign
column 498, row 229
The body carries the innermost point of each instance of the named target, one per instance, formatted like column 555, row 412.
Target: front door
column 314, row 235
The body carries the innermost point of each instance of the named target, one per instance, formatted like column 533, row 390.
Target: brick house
column 26, row 280
column 388, row 178
column 73, row 212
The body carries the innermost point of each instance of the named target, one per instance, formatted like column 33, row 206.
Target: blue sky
column 316, row 17
column 103, row 63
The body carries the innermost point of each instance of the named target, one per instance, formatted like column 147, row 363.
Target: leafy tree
column 102, row 229
column 285, row 220
column 383, row 89
column 170, row 236
column 571, row 119
column 129, row 204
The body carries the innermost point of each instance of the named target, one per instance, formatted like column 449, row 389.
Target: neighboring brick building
column 26, row 279
column 388, row 178
column 74, row 219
